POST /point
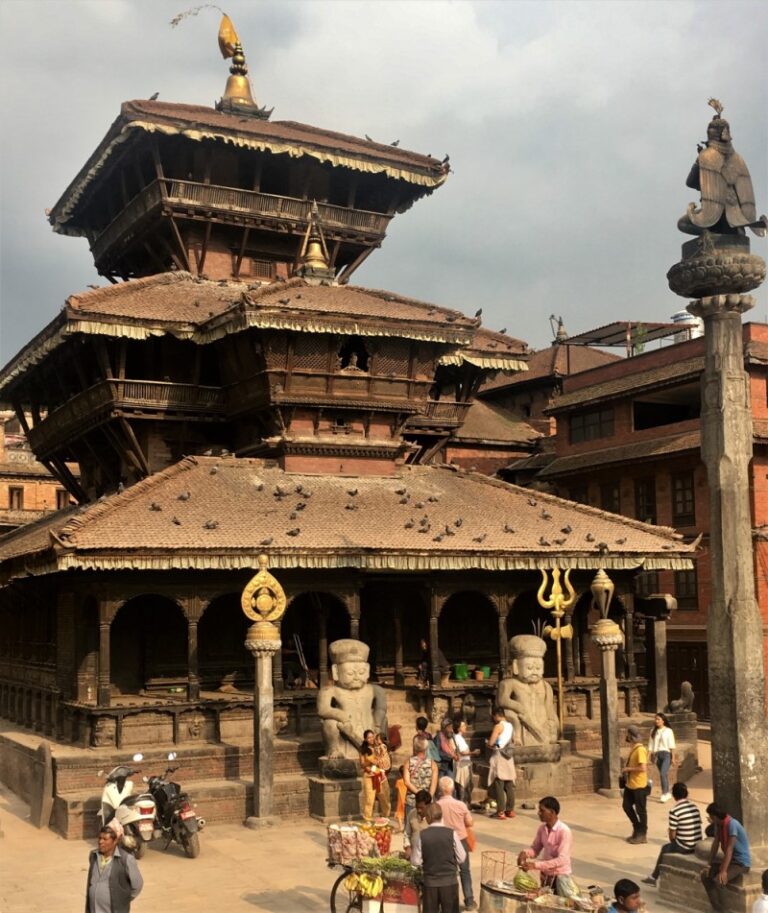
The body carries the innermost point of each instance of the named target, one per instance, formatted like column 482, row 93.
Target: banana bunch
column 368, row 885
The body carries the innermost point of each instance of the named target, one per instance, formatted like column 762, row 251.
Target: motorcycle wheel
column 141, row 846
column 191, row 844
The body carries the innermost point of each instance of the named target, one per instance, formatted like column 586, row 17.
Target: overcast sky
column 571, row 128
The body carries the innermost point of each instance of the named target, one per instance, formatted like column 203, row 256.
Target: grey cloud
column 571, row 128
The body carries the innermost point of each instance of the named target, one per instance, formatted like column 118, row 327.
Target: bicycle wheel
column 343, row 900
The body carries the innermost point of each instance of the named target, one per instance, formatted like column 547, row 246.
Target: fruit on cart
column 351, row 882
column 524, row 882
column 370, row 885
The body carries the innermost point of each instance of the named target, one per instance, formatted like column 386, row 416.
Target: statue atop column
column 718, row 260
column 526, row 698
column 350, row 705
column 721, row 175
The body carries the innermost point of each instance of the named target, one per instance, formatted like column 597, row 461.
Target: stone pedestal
column 608, row 637
column 333, row 800
column 680, row 887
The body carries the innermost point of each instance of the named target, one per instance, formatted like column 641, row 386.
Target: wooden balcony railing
column 93, row 405
column 439, row 414
column 191, row 194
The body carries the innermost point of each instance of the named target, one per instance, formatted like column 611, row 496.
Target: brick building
column 27, row 489
column 628, row 441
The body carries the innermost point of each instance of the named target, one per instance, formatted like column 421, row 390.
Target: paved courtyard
column 282, row 869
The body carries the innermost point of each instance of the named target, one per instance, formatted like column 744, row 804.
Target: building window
column 588, row 426
column 579, row 494
column 647, row 583
column 610, row 497
column 62, row 498
column 686, row 590
column 15, row 498
column 683, row 499
column 645, row 500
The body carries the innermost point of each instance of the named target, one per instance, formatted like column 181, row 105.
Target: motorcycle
column 175, row 815
column 136, row 814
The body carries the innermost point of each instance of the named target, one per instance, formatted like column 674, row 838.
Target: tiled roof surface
column 632, row 381
column 528, row 464
column 488, row 342
column 228, row 506
column 173, row 297
column 642, row 450
column 487, row 422
column 287, row 131
column 297, row 297
column 557, row 360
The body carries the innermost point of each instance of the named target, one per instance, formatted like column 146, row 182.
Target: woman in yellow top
column 636, row 787
column 375, row 762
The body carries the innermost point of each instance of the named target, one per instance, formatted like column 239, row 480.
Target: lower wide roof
column 209, row 513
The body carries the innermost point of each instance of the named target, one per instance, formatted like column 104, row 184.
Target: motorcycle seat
column 130, row 800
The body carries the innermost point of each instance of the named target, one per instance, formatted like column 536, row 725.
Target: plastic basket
column 461, row 672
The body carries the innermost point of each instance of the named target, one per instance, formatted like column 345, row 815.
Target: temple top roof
column 198, row 123
column 211, row 513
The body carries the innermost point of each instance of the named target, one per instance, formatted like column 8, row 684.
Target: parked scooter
column 175, row 816
column 136, row 814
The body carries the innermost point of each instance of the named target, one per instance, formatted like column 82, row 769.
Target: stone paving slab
column 282, row 869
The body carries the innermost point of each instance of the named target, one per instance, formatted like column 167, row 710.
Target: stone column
column 607, row 635
column 661, row 679
column 263, row 642
column 193, row 678
column 734, row 628
column 629, row 635
column 103, row 691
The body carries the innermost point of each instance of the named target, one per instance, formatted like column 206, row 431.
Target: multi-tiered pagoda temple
column 228, row 392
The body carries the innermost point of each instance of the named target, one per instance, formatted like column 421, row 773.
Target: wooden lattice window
column 392, row 358
column 15, row 498
column 310, row 353
column 353, row 354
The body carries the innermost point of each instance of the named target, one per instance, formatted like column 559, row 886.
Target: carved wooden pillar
column 278, row 685
column 322, row 645
column 353, row 607
column 584, row 642
column 436, row 605
column 570, row 665
column 503, row 602
column 103, row 694
column 629, row 634
column 193, row 677
column 398, row 619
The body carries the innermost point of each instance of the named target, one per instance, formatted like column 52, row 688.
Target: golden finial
column 238, row 96
column 314, row 261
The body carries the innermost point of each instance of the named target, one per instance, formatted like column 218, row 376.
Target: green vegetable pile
column 390, row 868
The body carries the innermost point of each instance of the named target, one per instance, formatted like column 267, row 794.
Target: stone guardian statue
column 350, row 705
column 526, row 698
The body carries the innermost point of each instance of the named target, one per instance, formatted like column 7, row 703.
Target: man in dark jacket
column 114, row 879
column 439, row 852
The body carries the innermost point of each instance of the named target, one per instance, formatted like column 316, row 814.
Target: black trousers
column 634, row 805
column 444, row 899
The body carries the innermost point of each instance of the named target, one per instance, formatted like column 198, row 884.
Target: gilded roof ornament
column 263, row 599
column 238, row 96
column 314, row 262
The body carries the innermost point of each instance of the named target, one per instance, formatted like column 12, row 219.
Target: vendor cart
column 500, row 894
column 372, row 880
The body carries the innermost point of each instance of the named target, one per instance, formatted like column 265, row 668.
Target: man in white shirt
column 456, row 816
column 761, row 904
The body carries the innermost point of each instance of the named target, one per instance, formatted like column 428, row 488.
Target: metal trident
column 558, row 602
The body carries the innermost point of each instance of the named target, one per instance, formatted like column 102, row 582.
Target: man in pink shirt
column 456, row 816
column 550, row 853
